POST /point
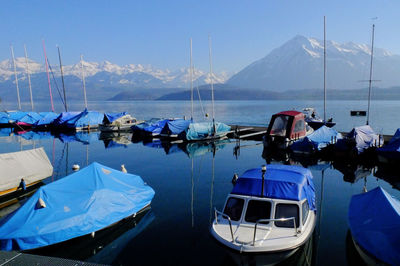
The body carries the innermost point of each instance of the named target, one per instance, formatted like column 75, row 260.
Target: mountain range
column 297, row 65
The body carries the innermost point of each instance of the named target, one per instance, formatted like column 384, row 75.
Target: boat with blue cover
column 374, row 221
column 150, row 128
column 118, row 122
column 360, row 140
column 270, row 209
column 316, row 141
column 46, row 120
column 390, row 153
column 85, row 120
column 80, row 204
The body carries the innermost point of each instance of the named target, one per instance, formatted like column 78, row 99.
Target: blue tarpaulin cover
column 64, row 117
column 4, row 118
column 364, row 137
column 30, row 118
column 175, row 127
column 153, row 126
column 83, row 202
column 280, row 182
column 111, row 117
column 15, row 115
column 374, row 220
column 392, row 149
column 47, row 118
column 317, row 140
column 204, row 130
column 85, row 119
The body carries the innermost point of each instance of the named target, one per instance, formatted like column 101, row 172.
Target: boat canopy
column 79, row 204
column 374, row 220
column 111, row 117
column 85, row 119
column 47, row 118
column 16, row 115
column 391, row 149
column 175, row 127
column 4, row 118
column 31, row 165
column 364, row 136
column 204, row 130
column 64, row 117
column 152, row 126
column 280, row 182
column 317, row 140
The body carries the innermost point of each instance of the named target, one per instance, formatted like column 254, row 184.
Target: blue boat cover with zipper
column 83, row 202
column 374, row 220
column 280, row 182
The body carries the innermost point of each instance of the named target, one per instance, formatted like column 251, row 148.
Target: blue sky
column 158, row 32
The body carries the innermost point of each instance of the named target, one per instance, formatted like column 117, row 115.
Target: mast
column 16, row 77
column 29, row 76
column 48, row 76
column 62, row 79
column 370, row 72
column 83, row 82
column 212, row 85
column 191, row 80
column 324, row 71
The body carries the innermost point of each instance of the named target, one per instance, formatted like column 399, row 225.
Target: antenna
column 29, row 76
column 83, row 82
column 16, row 77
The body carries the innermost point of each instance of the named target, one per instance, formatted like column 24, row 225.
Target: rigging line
column 201, row 103
column 59, row 162
column 55, row 81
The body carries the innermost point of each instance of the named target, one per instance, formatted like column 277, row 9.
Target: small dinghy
column 374, row 220
column 78, row 205
column 270, row 209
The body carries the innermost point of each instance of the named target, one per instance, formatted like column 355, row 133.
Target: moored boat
column 390, row 153
column 80, row 204
column 314, row 120
column 374, row 220
column 270, row 209
column 285, row 128
column 29, row 166
column 118, row 122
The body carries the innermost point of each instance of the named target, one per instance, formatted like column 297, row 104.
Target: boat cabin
column 285, row 128
column 268, row 211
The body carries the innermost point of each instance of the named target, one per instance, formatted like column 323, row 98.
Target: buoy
column 75, row 167
column 92, row 234
column 234, row 178
column 123, row 169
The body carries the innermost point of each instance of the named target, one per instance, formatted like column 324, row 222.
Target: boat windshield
column 279, row 126
column 256, row 210
column 233, row 208
column 284, row 210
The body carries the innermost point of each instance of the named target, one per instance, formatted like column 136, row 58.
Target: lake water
column 190, row 181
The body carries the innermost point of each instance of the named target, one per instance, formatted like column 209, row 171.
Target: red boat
column 285, row 128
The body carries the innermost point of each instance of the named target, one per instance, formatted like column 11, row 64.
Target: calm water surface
column 191, row 181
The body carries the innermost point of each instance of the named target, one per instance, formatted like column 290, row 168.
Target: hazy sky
column 158, row 32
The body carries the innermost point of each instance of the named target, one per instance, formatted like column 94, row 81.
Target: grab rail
column 273, row 220
column 225, row 216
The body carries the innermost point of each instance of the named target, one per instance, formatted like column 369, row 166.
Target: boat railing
column 226, row 217
column 273, row 220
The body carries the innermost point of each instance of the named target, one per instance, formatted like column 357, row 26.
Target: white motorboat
column 270, row 209
column 118, row 122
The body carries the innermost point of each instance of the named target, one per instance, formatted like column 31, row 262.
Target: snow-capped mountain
column 298, row 64
column 143, row 76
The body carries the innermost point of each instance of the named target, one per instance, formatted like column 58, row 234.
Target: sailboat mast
column 29, row 76
column 83, row 82
column 212, row 84
column 16, row 77
column 370, row 72
column 324, row 70
column 62, row 79
column 48, row 76
column 191, row 80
